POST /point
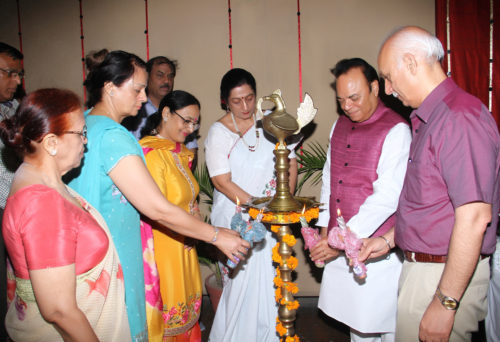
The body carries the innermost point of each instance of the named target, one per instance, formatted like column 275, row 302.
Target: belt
column 422, row 257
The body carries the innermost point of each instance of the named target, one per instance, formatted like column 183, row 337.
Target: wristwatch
column 449, row 303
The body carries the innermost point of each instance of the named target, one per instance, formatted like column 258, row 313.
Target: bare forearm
column 74, row 327
column 465, row 246
column 185, row 224
column 231, row 190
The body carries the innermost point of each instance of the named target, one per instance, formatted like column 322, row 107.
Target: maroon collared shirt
column 454, row 160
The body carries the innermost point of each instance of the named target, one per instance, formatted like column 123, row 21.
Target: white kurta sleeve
column 324, row 214
column 218, row 145
column 391, row 170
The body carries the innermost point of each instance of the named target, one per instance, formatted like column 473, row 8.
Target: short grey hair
column 417, row 41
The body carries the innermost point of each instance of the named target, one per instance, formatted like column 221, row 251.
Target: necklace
column 251, row 148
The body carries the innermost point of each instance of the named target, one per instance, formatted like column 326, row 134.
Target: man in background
column 11, row 74
column 162, row 72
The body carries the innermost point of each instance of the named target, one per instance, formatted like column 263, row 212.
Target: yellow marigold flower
column 280, row 329
column 292, row 262
column 292, row 305
column 289, row 240
column 275, row 228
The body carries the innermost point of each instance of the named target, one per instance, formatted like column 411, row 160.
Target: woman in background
column 168, row 160
column 240, row 161
column 68, row 283
column 115, row 180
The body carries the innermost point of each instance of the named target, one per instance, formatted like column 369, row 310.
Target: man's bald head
column 409, row 63
column 417, row 41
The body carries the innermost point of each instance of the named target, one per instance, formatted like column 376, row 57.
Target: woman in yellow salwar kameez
column 168, row 161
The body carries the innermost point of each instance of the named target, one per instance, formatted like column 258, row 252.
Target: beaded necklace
column 251, row 148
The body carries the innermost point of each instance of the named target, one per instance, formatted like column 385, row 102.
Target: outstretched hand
column 231, row 244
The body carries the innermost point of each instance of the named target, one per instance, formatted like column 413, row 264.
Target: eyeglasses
column 82, row 133
column 188, row 123
column 13, row 73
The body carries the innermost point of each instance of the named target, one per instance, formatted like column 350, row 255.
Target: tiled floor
column 311, row 324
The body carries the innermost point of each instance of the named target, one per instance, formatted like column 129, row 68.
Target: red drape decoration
column 470, row 46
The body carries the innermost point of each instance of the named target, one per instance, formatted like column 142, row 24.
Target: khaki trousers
column 417, row 285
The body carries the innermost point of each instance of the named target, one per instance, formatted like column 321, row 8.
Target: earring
column 165, row 118
column 53, row 152
column 111, row 93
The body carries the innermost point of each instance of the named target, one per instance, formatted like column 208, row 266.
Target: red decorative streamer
column 300, row 64
column 19, row 32
column 83, row 51
column 300, row 51
column 146, row 32
column 230, row 33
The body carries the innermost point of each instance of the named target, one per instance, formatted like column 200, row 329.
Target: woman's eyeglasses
column 82, row 133
column 188, row 123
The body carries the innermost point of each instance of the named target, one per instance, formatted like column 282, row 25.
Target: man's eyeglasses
column 13, row 73
column 188, row 123
column 82, row 133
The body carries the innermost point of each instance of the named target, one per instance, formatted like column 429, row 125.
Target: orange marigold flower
column 278, row 272
column 291, row 287
column 292, row 262
column 278, row 282
column 294, row 338
column 280, row 329
column 277, row 258
column 275, row 228
column 278, row 295
column 292, row 305
column 289, row 240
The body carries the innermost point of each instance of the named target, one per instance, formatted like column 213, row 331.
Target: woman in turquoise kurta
column 109, row 142
column 115, row 180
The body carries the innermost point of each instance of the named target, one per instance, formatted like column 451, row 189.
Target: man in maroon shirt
column 448, row 208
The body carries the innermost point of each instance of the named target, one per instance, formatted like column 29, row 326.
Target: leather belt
column 422, row 257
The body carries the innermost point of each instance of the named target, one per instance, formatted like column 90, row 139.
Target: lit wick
column 302, row 218
column 340, row 220
column 238, row 208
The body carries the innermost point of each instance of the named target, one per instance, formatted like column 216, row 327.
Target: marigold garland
column 285, row 218
column 277, row 294
column 291, row 287
column 292, row 305
column 280, row 329
column 278, row 282
column 276, row 255
column 289, row 240
column 292, row 262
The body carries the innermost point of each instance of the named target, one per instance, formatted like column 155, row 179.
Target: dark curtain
column 470, row 46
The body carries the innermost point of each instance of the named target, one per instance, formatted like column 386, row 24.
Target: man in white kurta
column 368, row 307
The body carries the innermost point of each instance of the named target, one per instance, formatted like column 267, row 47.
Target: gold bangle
column 386, row 241
column 215, row 235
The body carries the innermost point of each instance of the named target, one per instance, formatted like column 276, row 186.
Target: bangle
column 386, row 241
column 215, row 235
